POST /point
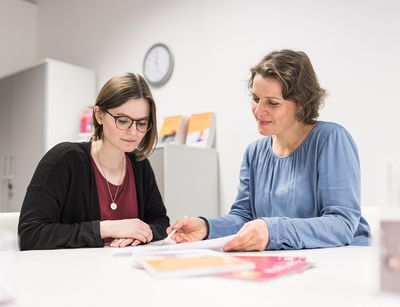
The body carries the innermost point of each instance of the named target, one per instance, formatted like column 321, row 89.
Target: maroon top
column 126, row 199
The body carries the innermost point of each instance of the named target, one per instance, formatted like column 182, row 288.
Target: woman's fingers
column 126, row 242
column 140, row 237
column 117, row 242
column 135, row 242
column 237, row 243
column 245, row 246
column 177, row 226
column 113, row 243
column 253, row 236
column 145, row 230
column 178, row 237
column 122, row 242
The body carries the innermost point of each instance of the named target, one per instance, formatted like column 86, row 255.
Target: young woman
column 300, row 185
column 86, row 194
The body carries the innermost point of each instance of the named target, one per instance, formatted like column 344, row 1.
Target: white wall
column 354, row 46
column 17, row 35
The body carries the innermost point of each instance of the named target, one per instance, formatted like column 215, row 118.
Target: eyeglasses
column 124, row 123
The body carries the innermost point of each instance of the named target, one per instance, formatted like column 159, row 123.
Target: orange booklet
column 201, row 130
column 191, row 263
column 173, row 130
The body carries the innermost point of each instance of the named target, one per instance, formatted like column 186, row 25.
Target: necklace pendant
column 113, row 206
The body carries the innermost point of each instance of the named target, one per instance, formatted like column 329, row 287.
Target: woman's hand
column 126, row 232
column 124, row 242
column 253, row 236
column 188, row 229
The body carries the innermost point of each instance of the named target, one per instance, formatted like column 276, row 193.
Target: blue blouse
column 309, row 199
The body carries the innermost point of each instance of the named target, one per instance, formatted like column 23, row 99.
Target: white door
column 26, row 129
column 5, row 101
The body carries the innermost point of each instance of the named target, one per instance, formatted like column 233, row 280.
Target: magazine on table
column 269, row 267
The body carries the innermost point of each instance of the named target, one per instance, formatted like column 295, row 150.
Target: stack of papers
column 206, row 258
column 185, row 259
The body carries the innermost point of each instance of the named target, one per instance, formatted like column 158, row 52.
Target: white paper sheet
column 214, row 244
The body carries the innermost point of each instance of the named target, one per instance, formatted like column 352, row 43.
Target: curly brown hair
column 297, row 77
column 118, row 90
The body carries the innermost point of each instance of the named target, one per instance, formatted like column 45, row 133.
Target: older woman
column 300, row 184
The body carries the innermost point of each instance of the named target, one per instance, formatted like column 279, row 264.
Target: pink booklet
column 269, row 267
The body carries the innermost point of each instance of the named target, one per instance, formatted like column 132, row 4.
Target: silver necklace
column 113, row 204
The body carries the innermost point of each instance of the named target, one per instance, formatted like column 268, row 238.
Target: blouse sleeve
column 240, row 212
column 338, row 196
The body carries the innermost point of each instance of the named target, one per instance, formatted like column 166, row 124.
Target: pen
column 173, row 232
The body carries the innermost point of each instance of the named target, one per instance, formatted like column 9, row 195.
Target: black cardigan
column 61, row 205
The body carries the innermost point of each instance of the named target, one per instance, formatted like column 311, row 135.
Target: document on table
column 190, row 262
column 214, row 244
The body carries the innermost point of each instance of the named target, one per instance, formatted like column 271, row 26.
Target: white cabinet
column 187, row 178
column 39, row 107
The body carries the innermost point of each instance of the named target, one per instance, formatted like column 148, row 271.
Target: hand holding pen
column 175, row 228
column 187, row 229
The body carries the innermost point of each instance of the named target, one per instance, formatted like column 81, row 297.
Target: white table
column 344, row 276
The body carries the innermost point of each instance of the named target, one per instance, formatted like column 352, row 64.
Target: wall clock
column 158, row 65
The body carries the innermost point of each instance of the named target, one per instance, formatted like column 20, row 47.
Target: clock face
column 158, row 65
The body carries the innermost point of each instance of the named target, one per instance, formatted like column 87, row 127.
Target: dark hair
column 118, row 90
column 297, row 77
